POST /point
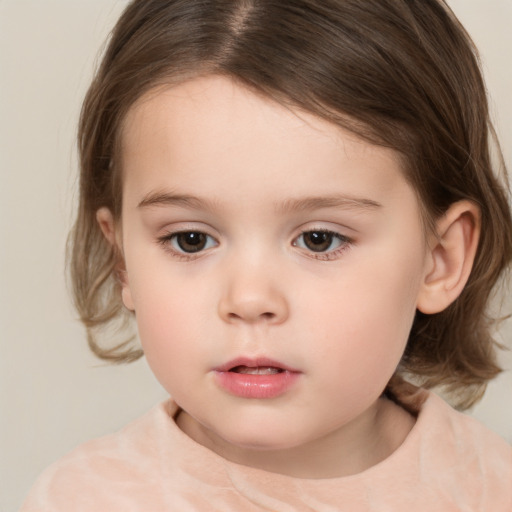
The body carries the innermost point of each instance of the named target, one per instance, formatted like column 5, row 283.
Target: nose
column 253, row 296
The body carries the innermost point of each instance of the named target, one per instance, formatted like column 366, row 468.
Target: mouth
column 256, row 378
column 257, row 366
column 258, row 370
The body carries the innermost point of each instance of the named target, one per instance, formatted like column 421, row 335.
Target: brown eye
column 318, row 241
column 321, row 241
column 185, row 244
column 190, row 241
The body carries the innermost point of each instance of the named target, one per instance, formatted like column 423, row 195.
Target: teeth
column 260, row 370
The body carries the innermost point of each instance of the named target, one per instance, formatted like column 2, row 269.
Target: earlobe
column 126, row 296
column 106, row 222
column 450, row 257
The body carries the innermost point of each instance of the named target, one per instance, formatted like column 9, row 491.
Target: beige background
column 53, row 393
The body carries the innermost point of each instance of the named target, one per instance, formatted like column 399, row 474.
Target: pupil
column 318, row 241
column 191, row 241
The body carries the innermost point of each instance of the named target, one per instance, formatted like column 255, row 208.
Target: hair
column 400, row 73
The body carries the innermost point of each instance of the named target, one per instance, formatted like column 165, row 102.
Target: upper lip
column 254, row 362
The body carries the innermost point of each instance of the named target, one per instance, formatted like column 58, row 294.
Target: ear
column 111, row 233
column 450, row 257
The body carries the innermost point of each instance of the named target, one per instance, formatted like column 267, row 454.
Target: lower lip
column 256, row 386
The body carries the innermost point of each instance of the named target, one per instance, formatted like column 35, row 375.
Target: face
column 273, row 262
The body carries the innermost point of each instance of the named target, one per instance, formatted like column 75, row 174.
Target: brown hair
column 400, row 73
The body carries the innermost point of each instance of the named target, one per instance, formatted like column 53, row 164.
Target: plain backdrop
column 53, row 393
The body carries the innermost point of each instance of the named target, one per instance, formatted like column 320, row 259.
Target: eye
column 321, row 241
column 189, row 242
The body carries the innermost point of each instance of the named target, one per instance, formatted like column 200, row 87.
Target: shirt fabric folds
column 448, row 462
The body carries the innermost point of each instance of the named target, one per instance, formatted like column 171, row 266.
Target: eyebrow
column 162, row 199
column 335, row 201
column 169, row 199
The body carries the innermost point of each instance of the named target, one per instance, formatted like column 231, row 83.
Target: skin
column 209, row 156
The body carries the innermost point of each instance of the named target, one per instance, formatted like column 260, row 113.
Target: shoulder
column 465, row 431
column 102, row 470
column 459, row 451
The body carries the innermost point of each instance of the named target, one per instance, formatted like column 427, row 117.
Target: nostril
column 264, row 316
column 252, row 307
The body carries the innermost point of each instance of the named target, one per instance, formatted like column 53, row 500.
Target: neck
column 351, row 449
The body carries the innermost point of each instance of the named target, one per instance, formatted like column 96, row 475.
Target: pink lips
column 255, row 378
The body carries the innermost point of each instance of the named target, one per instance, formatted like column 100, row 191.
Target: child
column 295, row 201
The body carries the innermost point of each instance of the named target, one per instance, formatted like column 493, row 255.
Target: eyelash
column 345, row 242
column 167, row 240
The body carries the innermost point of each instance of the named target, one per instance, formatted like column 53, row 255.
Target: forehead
column 218, row 107
column 212, row 133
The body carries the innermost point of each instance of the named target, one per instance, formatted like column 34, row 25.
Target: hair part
column 399, row 73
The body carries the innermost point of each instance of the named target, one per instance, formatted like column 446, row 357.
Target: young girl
column 295, row 201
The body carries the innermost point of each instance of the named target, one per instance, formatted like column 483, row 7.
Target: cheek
column 169, row 322
column 170, row 347
column 165, row 318
column 367, row 319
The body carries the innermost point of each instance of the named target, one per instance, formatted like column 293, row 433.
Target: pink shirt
column 448, row 462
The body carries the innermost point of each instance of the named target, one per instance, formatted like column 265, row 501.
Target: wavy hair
column 399, row 73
